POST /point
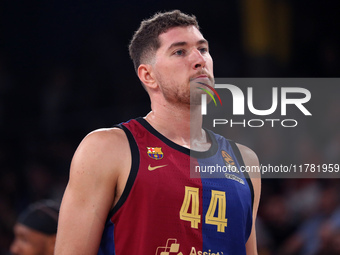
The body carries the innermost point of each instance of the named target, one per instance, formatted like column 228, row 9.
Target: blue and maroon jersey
column 180, row 202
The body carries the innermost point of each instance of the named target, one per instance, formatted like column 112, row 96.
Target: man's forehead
column 21, row 229
column 189, row 34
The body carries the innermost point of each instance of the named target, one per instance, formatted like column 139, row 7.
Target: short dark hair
column 41, row 216
column 145, row 41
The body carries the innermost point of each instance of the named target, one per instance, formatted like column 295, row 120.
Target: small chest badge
column 229, row 162
column 155, row 152
column 227, row 158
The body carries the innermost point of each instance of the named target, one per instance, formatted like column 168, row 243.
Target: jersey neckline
column 196, row 154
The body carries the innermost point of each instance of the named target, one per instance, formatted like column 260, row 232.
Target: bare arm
column 250, row 159
column 90, row 193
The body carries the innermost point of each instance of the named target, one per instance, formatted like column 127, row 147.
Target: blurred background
column 65, row 71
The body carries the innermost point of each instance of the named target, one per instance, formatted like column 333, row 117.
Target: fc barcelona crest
column 155, row 152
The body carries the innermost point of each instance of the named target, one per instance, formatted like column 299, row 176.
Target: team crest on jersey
column 155, row 152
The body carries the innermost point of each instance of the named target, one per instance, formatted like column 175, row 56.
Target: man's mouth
column 202, row 79
column 202, row 76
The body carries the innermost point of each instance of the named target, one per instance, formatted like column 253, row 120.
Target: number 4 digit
column 220, row 221
column 191, row 195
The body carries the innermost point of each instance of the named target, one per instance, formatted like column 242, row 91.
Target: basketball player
column 130, row 190
column 35, row 230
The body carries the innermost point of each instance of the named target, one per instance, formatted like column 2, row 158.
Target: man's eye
column 179, row 52
column 203, row 50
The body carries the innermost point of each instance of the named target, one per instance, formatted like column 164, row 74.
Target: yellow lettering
column 217, row 197
column 191, row 195
column 193, row 251
column 218, row 202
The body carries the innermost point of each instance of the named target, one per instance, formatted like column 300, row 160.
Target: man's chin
column 196, row 99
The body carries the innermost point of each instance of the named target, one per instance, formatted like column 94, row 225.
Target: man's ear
column 146, row 75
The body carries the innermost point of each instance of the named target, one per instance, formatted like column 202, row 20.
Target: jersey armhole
column 245, row 173
column 133, row 171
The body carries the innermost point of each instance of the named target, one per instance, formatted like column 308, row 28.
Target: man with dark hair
column 36, row 228
column 145, row 41
column 132, row 189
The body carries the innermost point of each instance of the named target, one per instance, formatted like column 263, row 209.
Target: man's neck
column 182, row 125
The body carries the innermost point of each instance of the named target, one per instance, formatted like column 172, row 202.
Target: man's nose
column 14, row 248
column 198, row 60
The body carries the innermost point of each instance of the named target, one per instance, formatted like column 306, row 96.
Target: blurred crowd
column 65, row 71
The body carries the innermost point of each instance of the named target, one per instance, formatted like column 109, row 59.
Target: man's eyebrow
column 203, row 41
column 177, row 44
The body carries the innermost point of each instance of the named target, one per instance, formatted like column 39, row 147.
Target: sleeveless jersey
column 180, row 202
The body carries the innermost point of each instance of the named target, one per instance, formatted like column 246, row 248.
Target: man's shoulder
column 248, row 155
column 251, row 162
column 105, row 137
column 105, row 144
